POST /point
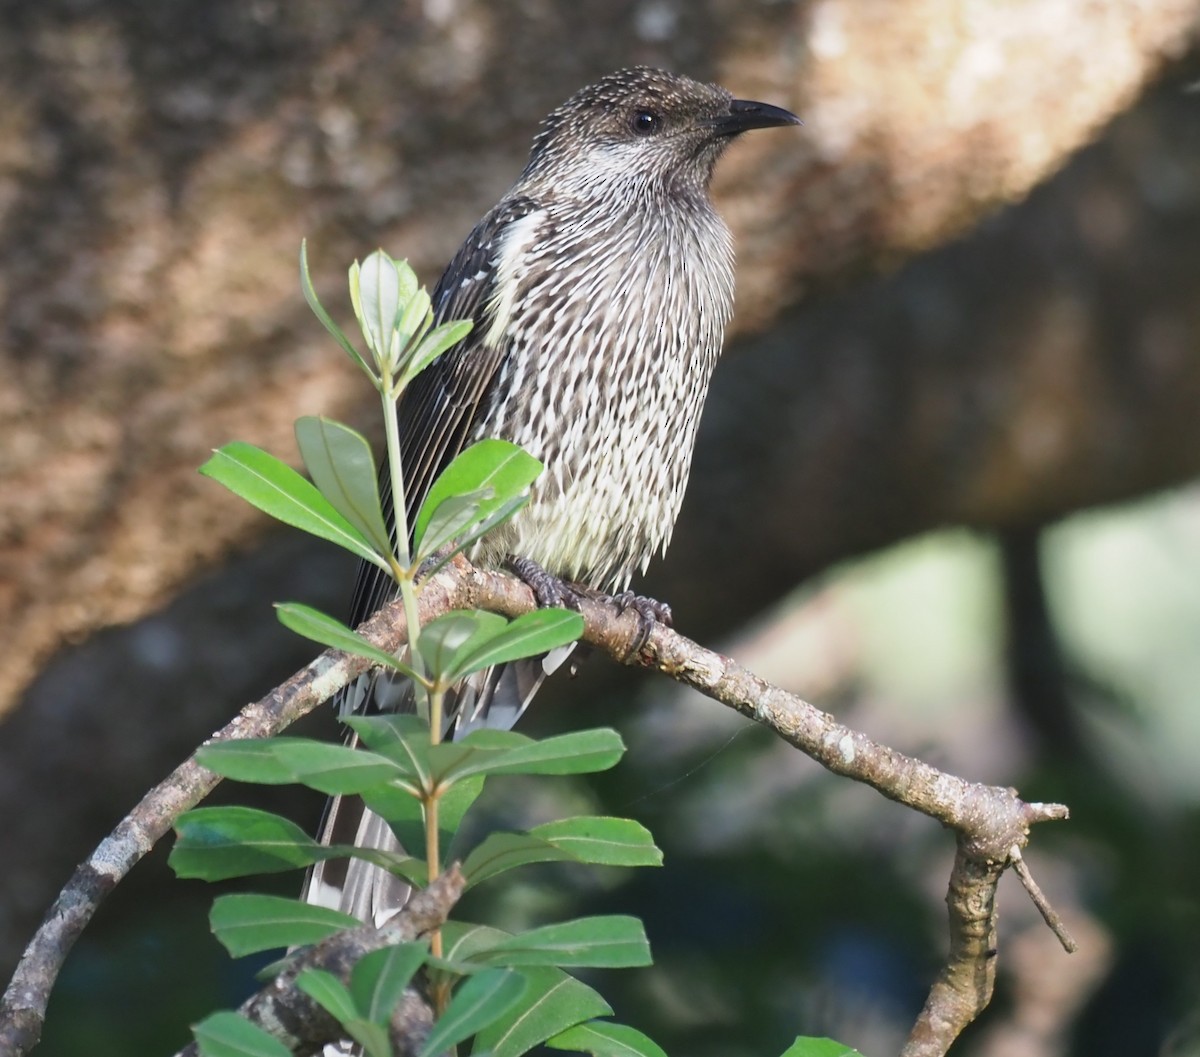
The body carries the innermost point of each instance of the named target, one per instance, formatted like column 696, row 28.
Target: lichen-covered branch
column 991, row 823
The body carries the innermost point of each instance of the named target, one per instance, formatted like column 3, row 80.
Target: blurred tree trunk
column 160, row 163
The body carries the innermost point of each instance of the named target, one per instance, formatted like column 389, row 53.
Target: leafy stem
column 433, row 851
column 404, row 574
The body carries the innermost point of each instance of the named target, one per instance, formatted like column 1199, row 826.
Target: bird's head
column 643, row 127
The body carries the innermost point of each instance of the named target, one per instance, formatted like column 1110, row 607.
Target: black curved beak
column 745, row 114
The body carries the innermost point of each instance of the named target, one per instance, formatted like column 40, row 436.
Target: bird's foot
column 550, row 591
column 649, row 612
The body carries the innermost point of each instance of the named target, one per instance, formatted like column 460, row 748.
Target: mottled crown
column 655, row 122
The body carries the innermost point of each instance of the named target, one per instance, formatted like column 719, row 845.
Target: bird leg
column 649, row 612
column 550, row 591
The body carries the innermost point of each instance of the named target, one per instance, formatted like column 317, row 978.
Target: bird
column 600, row 287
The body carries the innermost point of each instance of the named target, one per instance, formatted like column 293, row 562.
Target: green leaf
column 331, row 769
column 383, row 733
column 373, row 1038
column 437, row 341
column 401, row 809
column 489, row 738
column 379, row 979
column 329, row 993
column 455, row 803
column 444, row 640
column 276, row 489
column 412, row 322
column 613, row 941
column 553, row 1002
column 232, row 1035
column 245, row 760
column 216, row 843
column 450, row 758
column 504, row 851
column 403, row 739
column 462, row 941
column 332, row 995
column 580, row 752
column 331, row 632
column 246, row 923
column 335, row 770
column 505, row 468
column 455, row 516
column 464, row 539
column 339, row 461
column 482, row 999
column 528, row 635
column 310, row 295
column 380, row 287
column 814, row 1047
column 605, row 1039
column 602, row 841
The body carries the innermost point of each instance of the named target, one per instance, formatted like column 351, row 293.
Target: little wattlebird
column 599, row 287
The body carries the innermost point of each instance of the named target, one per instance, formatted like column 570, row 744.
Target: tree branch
column 992, row 823
column 304, row 1026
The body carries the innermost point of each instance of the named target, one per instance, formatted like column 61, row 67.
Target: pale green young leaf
column 414, row 319
column 380, row 287
column 340, row 463
column 276, row 489
column 310, row 295
column 433, row 344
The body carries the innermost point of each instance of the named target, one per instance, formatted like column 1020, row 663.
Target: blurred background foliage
column 920, row 345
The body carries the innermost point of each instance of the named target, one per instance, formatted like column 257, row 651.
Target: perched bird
column 600, row 286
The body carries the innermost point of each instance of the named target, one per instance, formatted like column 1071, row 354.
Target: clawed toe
column 649, row 612
column 647, row 608
column 551, row 592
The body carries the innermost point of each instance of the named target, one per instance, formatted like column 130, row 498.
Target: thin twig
column 1049, row 914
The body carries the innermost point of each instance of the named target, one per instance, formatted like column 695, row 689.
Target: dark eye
column 645, row 122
